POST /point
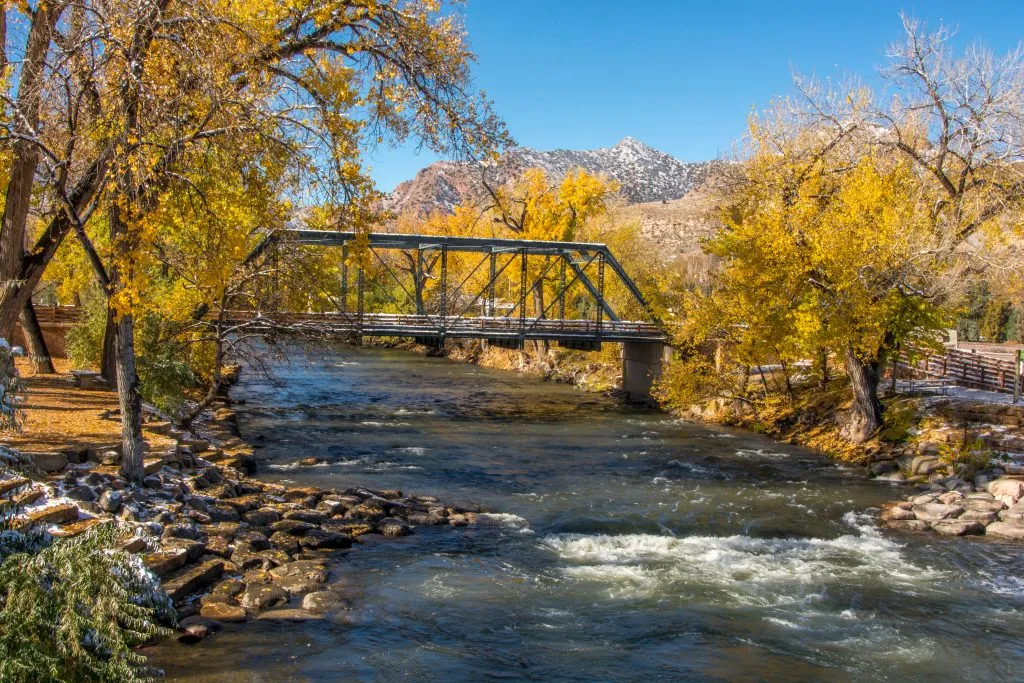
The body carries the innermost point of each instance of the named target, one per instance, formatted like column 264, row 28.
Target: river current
column 630, row 545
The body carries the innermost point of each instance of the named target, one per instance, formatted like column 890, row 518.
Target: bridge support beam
column 642, row 363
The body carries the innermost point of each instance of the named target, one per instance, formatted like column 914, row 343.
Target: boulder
column 220, row 546
column 262, row 517
column 110, row 501
column 1007, row 490
column 81, row 492
column 186, row 530
column 958, row 527
column 982, row 516
column 292, row 526
column 49, row 462
column 348, row 527
column 261, row 596
column 933, row 512
column 254, row 538
column 1011, row 531
column 310, row 569
column 907, row 525
column 311, row 516
column 284, row 541
column 320, row 602
column 896, row 512
column 192, row 579
column 951, row 497
column 225, row 591
column 982, row 505
column 289, row 615
column 319, row 539
column 389, row 526
column 193, row 549
column 164, row 562
column 223, row 612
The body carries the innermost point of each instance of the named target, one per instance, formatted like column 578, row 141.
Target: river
column 631, row 546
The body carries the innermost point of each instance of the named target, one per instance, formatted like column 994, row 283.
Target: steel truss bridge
column 577, row 315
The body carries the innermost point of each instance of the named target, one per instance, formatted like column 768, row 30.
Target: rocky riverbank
column 964, row 459
column 226, row 546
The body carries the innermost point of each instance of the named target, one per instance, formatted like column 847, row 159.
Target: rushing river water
column 633, row 546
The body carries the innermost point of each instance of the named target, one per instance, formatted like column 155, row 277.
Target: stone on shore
column 164, row 562
column 907, row 525
column 192, row 579
column 261, row 596
column 321, row 602
column 1011, row 531
column 318, row 539
column 223, row 612
column 390, row 526
column 958, row 527
column 289, row 615
column 933, row 512
column 1008, row 491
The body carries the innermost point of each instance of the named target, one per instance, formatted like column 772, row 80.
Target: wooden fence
column 973, row 370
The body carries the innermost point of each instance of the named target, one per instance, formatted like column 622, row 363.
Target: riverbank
column 227, row 547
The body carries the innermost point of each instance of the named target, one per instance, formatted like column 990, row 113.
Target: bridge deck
column 403, row 325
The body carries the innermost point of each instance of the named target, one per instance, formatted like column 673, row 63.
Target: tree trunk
column 124, row 339
column 132, row 468
column 22, row 171
column 38, row 354
column 108, row 361
column 866, row 415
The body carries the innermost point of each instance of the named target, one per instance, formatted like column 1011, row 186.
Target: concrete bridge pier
column 642, row 363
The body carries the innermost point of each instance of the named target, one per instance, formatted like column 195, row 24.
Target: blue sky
column 681, row 76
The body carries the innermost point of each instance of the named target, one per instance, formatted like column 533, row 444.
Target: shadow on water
column 630, row 545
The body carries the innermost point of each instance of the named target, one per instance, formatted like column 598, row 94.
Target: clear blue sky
column 681, row 76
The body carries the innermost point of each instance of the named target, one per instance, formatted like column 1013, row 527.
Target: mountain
column 646, row 175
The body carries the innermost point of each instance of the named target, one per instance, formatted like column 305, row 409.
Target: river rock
column 261, row 596
column 311, row 516
column 951, row 497
column 896, row 512
column 907, row 524
column 348, row 527
column 933, row 512
column 245, row 503
column 1014, row 513
column 294, row 527
column 389, row 526
column 254, row 538
column 332, row 507
column 275, row 557
column 192, row 579
column 894, row 475
column 225, row 591
column 210, row 624
column 290, row 615
column 882, row 467
column 164, row 562
column 184, row 530
column 982, row 516
column 983, row 505
column 1006, row 490
column 193, row 549
column 320, row 602
column 1013, row 531
column 219, row 546
column 309, row 569
column 262, row 517
column 223, row 612
column 958, row 527
column 319, row 539
column 458, row 520
column 924, row 498
column 367, row 512
column 284, row 541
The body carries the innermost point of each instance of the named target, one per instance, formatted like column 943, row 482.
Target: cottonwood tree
column 137, row 92
column 958, row 121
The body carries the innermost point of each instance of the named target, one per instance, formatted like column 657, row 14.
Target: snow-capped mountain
column 645, row 174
